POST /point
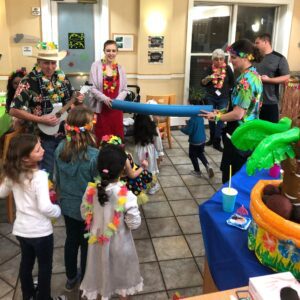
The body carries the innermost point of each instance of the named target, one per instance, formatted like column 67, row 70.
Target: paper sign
column 27, row 51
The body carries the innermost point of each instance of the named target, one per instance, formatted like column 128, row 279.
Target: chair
column 164, row 122
column 10, row 198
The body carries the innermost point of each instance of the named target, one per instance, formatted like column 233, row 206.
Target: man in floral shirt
column 42, row 89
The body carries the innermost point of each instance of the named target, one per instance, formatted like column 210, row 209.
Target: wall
column 294, row 47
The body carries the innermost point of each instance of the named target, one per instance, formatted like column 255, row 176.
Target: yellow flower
column 92, row 239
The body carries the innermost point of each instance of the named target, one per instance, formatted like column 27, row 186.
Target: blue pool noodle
column 160, row 109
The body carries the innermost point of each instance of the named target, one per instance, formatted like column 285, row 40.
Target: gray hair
column 217, row 53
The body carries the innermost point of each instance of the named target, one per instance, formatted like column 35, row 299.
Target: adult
column 109, row 82
column 244, row 103
column 218, row 81
column 38, row 93
column 274, row 70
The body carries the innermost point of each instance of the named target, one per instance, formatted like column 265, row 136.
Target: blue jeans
column 42, row 249
column 215, row 130
column 49, row 143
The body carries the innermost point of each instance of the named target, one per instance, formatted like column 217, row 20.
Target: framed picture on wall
column 125, row 42
column 156, row 41
column 155, row 57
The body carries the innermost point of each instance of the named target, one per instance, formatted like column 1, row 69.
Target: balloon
column 160, row 110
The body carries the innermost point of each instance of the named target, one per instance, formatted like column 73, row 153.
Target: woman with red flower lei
column 218, row 82
column 109, row 82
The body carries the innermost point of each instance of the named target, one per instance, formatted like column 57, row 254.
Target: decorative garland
column 52, row 89
column 111, row 139
column 112, row 226
column 219, row 75
column 241, row 54
column 106, row 86
column 75, row 129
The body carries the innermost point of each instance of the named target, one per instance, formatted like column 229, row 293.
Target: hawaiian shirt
column 247, row 93
column 32, row 96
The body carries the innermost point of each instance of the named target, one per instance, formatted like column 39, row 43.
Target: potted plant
column 197, row 94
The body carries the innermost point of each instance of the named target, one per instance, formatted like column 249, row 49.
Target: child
column 34, row 211
column 75, row 166
column 111, row 212
column 196, row 132
column 147, row 146
column 136, row 177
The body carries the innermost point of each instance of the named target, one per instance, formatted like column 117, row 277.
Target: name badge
column 218, row 93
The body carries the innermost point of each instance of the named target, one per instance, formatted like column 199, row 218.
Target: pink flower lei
column 219, row 75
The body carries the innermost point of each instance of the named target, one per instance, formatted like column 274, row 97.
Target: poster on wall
column 76, row 40
column 155, row 57
column 125, row 42
column 156, row 41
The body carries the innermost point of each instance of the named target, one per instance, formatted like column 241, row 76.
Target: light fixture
column 255, row 27
column 156, row 23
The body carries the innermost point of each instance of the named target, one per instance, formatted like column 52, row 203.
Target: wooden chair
column 164, row 122
column 10, row 198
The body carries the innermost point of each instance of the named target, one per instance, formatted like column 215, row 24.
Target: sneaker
column 210, row 172
column 61, row 297
column 154, row 189
column 71, row 283
column 196, row 173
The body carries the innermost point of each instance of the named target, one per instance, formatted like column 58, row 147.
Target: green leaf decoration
column 273, row 149
column 248, row 135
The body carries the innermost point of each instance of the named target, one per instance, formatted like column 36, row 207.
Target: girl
column 34, row 211
column 136, row 177
column 12, row 84
column 244, row 104
column 75, row 166
column 147, row 146
column 110, row 212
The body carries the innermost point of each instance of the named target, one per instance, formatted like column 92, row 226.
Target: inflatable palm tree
column 272, row 143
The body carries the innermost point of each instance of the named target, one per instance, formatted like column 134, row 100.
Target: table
column 5, row 121
column 224, row 295
column 230, row 261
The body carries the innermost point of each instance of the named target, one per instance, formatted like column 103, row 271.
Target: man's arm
column 275, row 80
column 50, row 120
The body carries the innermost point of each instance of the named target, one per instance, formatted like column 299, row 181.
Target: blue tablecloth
column 230, row 261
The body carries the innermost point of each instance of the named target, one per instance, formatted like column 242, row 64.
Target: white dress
column 150, row 152
column 112, row 268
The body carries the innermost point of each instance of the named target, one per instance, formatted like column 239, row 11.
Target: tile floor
column 169, row 241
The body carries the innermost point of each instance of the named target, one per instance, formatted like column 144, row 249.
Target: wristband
column 218, row 117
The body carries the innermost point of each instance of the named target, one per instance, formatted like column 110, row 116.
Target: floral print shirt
column 37, row 97
column 247, row 93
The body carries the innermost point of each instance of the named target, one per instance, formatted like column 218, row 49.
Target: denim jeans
column 216, row 129
column 49, row 144
column 42, row 249
column 75, row 230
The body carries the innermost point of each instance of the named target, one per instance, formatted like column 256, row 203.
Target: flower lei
column 75, row 129
column 218, row 77
column 111, row 139
column 53, row 89
column 241, row 54
column 112, row 226
column 106, row 87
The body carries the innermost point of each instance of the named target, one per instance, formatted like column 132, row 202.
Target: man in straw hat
column 38, row 93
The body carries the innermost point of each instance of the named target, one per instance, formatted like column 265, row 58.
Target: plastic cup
column 228, row 198
column 275, row 171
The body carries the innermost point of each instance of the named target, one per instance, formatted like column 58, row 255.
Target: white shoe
column 154, row 189
column 196, row 173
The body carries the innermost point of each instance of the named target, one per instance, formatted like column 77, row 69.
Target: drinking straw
column 230, row 173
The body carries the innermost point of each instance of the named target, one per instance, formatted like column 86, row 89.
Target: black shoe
column 209, row 143
column 218, row 147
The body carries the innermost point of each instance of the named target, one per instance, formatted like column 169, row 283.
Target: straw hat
column 49, row 51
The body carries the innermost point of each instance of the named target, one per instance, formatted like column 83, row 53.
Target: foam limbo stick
column 161, row 109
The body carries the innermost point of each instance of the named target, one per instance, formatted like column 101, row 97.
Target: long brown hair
column 19, row 148
column 79, row 135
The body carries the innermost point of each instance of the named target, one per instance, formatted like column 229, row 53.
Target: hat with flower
column 49, row 51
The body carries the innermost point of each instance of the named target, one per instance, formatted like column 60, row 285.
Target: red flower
column 269, row 241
